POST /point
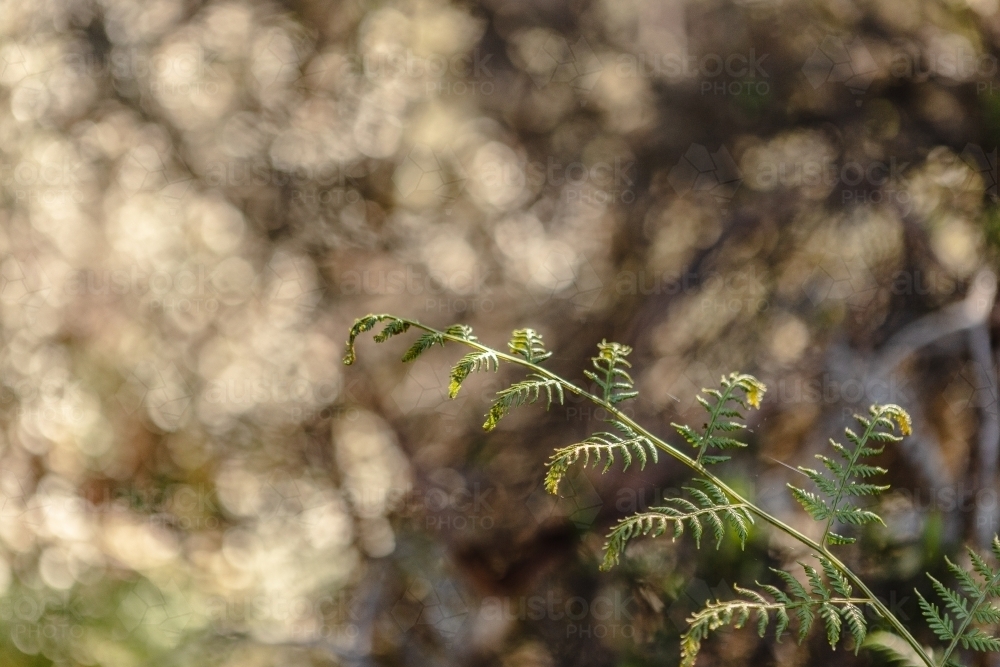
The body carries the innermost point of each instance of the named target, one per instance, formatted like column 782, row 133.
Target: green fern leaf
column 855, row 620
column 394, row 328
column 471, row 363
column 781, row 624
column 976, row 606
column 710, row 508
column 836, row 578
column 837, row 485
column 528, row 344
column 954, row 601
column 463, row 331
column 835, row 611
column 519, row 393
column 816, row 584
column 797, row 589
column 978, row 640
column 813, row 504
column 363, row 324
column 720, row 412
column 597, row 446
column 940, row 624
column 422, row 344
column 832, row 620
column 610, row 363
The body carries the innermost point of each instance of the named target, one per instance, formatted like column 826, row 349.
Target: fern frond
column 528, row 343
column 393, row 328
column 615, row 382
column 519, row 393
column 721, row 414
column 956, row 623
column 397, row 326
column 824, row 596
column 835, row 611
column 367, row 323
column 471, row 363
column 463, row 331
column 940, row 624
column 813, row 504
column 836, row 482
column 710, row 508
column 600, row 445
column 422, row 344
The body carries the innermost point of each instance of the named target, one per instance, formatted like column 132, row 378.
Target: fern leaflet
column 721, row 415
column 600, row 445
column 470, row 363
column 611, row 376
column 367, row 323
column 975, row 606
column 528, row 343
column 422, row 344
column 710, row 507
column 836, row 609
column 836, row 482
column 519, row 393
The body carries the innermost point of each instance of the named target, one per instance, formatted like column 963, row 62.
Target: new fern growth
column 611, row 376
column 720, row 416
column 837, row 484
column 830, row 596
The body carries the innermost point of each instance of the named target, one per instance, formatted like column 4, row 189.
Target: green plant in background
column 828, row 593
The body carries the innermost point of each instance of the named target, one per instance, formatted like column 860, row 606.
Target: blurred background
column 198, row 198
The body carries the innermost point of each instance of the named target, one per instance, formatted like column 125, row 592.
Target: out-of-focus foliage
column 199, row 198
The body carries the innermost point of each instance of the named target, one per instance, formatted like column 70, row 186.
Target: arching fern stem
column 870, row 598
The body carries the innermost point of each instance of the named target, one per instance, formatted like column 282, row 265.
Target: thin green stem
column 695, row 465
column 778, row 605
column 855, row 455
column 609, row 378
column 714, row 412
